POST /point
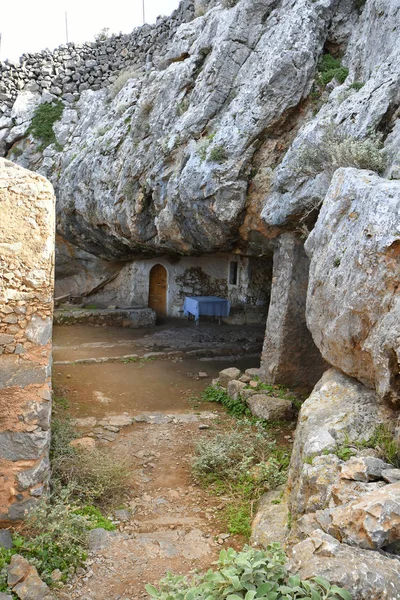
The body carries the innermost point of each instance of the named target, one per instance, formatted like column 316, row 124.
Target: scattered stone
column 235, row 389
column 245, row 379
column 120, row 421
column 253, row 383
column 228, row 375
column 251, row 373
column 99, row 539
column 86, row 443
column 123, row 515
column 269, row 408
column 202, row 375
column 25, row 582
column 86, row 422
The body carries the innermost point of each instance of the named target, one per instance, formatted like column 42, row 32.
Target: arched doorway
column 158, row 290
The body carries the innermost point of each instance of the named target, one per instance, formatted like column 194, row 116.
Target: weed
column 92, row 477
column 331, row 68
column 236, row 408
column 121, row 80
column 356, row 85
column 90, row 306
column 95, row 518
column 218, row 154
column 336, row 262
column 45, row 116
column 383, row 441
column 337, row 149
column 182, row 107
column 247, row 575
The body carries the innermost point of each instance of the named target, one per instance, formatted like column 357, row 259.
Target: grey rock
column 99, row 539
column 391, row 475
column 339, row 410
column 353, row 304
column 38, row 474
column 123, row 515
column 366, row 468
column 270, row 408
column 16, row 446
column 39, row 330
column 289, row 354
column 228, row 375
column 6, row 539
column 364, row 522
column 366, row 575
column 271, row 521
column 235, row 388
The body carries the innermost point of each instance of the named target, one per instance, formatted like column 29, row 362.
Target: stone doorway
column 158, row 283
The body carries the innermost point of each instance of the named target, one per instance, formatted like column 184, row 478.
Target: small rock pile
column 261, row 402
column 25, row 582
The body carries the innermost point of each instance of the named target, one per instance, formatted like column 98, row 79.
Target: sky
column 33, row 25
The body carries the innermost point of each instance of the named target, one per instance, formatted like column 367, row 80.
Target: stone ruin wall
column 27, row 207
column 72, row 68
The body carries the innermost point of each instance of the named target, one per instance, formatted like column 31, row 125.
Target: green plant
column 90, row 306
column 94, row 476
column 218, row 154
column 383, row 441
column 337, row 149
column 331, row 68
column 54, row 536
column 356, row 85
column 236, row 408
column 95, row 517
column 247, row 575
column 336, row 262
column 45, row 116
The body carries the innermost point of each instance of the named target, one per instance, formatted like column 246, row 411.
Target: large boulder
column 370, row 522
column 340, row 410
column 353, row 303
column 366, row 575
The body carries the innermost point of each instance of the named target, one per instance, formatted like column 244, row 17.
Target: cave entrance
column 158, row 284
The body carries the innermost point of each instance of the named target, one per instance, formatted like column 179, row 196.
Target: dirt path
column 168, row 523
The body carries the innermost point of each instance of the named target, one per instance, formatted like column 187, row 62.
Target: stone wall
column 26, row 304
column 195, row 276
column 73, row 68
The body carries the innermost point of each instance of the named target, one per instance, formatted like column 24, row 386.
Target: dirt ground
column 169, row 523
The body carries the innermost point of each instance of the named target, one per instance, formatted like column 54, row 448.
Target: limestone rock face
column 372, row 56
column 370, row 522
column 366, row 575
column 164, row 165
column 353, row 303
column 339, row 409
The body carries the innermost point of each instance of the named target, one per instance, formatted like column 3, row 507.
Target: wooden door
column 158, row 290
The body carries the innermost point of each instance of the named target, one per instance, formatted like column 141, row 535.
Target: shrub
column 336, row 149
column 45, row 116
column 331, row 68
column 247, row 575
column 94, row 476
column 231, row 455
column 121, row 80
column 218, row 154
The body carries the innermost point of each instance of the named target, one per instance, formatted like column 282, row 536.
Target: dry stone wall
column 26, row 303
column 72, row 68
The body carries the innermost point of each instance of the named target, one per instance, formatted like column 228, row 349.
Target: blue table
column 211, row 306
